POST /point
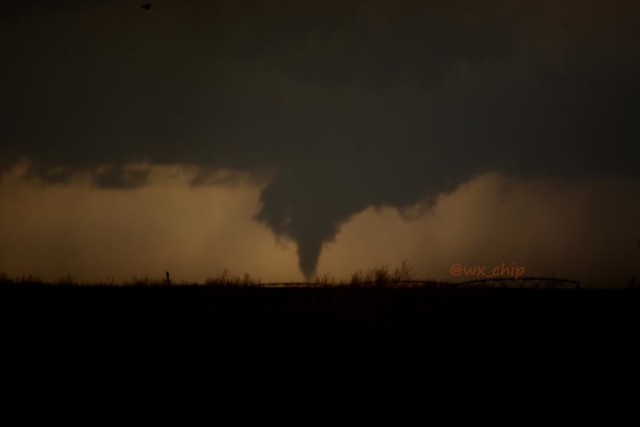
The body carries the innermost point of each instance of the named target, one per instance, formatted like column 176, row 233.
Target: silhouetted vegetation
column 375, row 301
column 227, row 279
column 402, row 276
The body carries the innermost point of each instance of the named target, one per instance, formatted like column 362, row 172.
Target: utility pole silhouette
column 168, row 279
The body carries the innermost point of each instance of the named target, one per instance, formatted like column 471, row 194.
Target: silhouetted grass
column 237, row 315
column 227, row 279
column 378, row 277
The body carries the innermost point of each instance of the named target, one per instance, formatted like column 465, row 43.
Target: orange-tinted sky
column 325, row 111
column 578, row 230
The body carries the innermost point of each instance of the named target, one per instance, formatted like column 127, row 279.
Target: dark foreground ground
column 304, row 312
column 314, row 334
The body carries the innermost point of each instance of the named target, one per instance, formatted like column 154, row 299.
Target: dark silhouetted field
column 314, row 332
column 345, row 310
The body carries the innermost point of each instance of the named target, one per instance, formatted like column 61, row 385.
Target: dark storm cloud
column 118, row 176
column 350, row 104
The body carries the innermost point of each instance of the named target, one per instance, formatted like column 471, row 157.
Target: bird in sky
column 146, row 6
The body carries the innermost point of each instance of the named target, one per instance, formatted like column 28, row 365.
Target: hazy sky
column 288, row 137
